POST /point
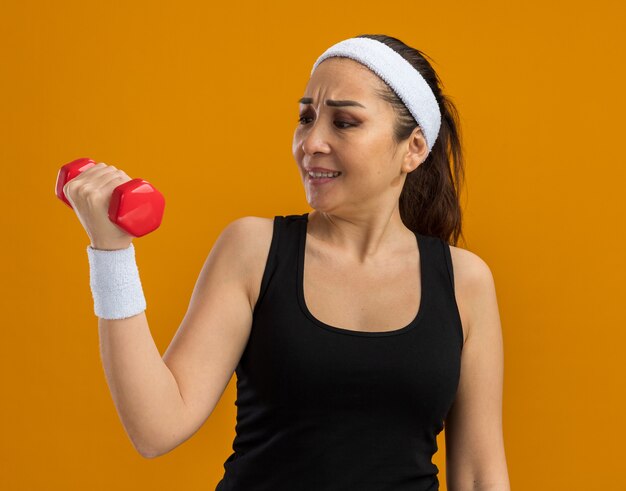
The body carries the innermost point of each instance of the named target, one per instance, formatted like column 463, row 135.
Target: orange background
column 200, row 99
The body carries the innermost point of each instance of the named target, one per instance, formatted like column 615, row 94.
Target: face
column 356, row 140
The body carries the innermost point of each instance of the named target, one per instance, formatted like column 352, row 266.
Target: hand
column 89, row 193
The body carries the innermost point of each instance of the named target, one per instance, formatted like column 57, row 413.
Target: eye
column 346, row 123
column 339, row 123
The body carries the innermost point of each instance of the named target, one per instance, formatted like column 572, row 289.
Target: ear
column 416, row 152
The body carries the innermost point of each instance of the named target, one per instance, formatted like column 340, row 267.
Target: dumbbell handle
column 136, row 206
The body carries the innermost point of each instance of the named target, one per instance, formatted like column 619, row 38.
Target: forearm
column 145, row 393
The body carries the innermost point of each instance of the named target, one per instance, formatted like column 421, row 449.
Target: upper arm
column 212, row 336
column 473, row 428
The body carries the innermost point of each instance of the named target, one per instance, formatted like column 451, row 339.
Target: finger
column 104, row 175
column 94, row 170
column 111, row 181
column 97, row 186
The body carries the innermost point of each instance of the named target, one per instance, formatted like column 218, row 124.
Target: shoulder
column 249, row 238
column 474, row 285
column 248, row 226
column 469, row 266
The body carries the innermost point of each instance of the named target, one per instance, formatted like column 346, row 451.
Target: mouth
column 316, row 178
column 323, row 175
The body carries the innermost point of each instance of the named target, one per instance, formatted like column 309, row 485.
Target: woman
column 356, row 331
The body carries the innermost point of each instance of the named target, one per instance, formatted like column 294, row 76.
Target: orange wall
column 200, row 99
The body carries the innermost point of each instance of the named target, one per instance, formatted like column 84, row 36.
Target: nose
column 314, row 138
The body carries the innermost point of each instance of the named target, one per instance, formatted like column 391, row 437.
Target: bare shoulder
column 473, row 284
column 469, row 265
column 252, row 237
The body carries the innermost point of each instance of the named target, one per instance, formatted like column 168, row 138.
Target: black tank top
column 322, row 408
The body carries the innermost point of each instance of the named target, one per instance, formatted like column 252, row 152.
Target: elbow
column 145, row 450
column 150, row 444
column 148, row 453
column 474, row 485
column 494, row 486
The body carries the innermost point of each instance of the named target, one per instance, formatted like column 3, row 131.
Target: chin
column 322, row 207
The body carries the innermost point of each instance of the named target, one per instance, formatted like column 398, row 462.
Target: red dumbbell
column 136, row 206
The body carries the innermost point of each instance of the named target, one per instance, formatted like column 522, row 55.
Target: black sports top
column 323, row 408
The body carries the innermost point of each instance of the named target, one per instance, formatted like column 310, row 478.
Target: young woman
column 357, row 331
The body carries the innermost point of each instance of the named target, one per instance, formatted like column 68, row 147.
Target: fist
column 89, row 193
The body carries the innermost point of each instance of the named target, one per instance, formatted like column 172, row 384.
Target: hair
column 429, row 201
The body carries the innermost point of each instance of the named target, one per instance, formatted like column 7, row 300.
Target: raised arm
column 163, row 401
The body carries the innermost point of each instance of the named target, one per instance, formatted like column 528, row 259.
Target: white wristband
column 115, row 284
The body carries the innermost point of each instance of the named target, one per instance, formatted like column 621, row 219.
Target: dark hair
column 429, row 201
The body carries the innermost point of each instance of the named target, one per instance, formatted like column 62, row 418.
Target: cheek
column 297, row 142
column 294, row 143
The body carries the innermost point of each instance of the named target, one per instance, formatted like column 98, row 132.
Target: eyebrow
column 331, row 102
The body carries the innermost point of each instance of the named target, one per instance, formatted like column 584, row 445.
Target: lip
column 317, row 181
column 319, row 169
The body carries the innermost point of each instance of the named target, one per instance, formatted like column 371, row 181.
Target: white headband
column 399, row 74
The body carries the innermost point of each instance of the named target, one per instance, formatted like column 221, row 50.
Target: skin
column 359, row 211
column 356, row 216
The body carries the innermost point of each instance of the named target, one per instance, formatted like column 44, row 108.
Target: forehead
column 340, row 77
